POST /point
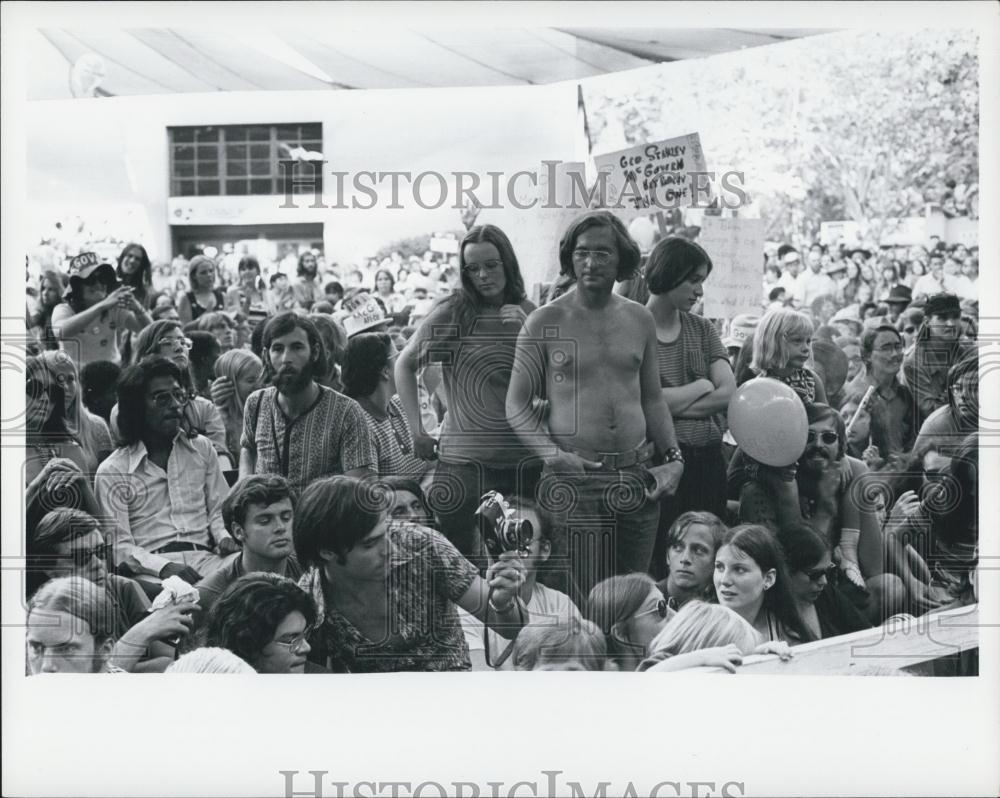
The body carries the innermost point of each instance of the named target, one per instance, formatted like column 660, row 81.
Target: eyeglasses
column 818, row 573
column 81, row 557
column 482, row 268
column 887, row 348
column 176, row 343
column 828, row 437
column 296, row 644
column 660, row 609
column 598, row 256
column 164, row 399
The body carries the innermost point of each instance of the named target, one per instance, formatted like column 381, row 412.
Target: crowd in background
column 316, row 450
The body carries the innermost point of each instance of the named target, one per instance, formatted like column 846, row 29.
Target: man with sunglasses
column 819, row 491
column 163, row 489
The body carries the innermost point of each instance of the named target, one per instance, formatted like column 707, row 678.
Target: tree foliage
column 856, row 125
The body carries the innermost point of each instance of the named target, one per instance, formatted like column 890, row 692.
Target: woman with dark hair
column 50, row 294
column 630, row 610
column 165, row 338
column 385, row 289
column 751, row 578
column 386, row 592
column 696, row 379
column 407, row 501
column 824, row 610
column 203, row 296
column 265, row 620
column 249, row 295
column 908, row 324
column 472, row 333
column 95, row 311
column 205, row 350
column 370, row 380
column 135, row 270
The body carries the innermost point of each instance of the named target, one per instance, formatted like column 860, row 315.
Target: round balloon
column 768, row 421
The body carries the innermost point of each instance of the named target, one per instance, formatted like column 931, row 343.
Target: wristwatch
column 673, row 455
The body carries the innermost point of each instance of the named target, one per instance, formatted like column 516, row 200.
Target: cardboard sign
column 654, row 177
column 444, row 245
column 736, row 247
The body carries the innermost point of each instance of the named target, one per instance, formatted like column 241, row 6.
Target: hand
column 167, row 623
column 563, row 462
column 667, row 477
column 505, row 578
column 425, row 447
column 904, row 507
column 779, row 647
column 222, row 390
column 923, row 598
column 185, row 572
column 726, row 657
column 228, row 546
column 57, row 473
column 120, row 297
column 512, row 314
column 872, row 457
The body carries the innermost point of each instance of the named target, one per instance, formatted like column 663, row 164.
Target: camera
column 500, row 527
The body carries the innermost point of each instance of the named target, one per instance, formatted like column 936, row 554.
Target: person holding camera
column 472, row 334
column 385, row 591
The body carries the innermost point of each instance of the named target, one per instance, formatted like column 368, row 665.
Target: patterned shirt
column 331, row 437
column 426, row 577
column 394, row 443
column 802, row 381
column 684, row 360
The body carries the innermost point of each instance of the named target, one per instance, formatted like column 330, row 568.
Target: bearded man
column 298, row 428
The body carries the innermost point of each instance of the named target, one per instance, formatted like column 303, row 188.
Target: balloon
column 768, row 421
column 642, row 230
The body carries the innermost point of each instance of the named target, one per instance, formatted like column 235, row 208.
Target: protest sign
column 736, row 247
column 446, row 245
column 654, row 177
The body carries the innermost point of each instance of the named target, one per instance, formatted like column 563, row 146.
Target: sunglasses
column 660, row 609
column 81, row 557
column 818, row 573
column 829, row 437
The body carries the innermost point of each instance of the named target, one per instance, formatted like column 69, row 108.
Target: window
column 240, row 160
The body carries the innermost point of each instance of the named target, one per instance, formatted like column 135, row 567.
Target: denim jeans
column 603, row 525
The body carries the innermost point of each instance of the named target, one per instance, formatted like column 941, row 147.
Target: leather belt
column 637, row 456
column 176, row 546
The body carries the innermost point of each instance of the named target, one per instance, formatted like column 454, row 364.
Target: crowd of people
column 310, row 473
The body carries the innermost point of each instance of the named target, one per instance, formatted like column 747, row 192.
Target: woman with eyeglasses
column 824, row 610
column 369, row 379
column 751, row 578
column 630, row 610
column 167, row 339
column 891, row 426
column 265, row 620
column 472, row 334
column 69, row 542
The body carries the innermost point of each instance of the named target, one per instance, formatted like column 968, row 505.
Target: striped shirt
column 394, row 443
column 685, row 360
column 331, row 437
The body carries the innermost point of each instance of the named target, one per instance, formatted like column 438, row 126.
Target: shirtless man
column 591, row 354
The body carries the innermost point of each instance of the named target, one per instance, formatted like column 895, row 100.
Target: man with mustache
column 818, row 491
column 163, row 488
column 297, row 427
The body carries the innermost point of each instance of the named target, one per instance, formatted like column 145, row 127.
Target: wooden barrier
column 884, row 651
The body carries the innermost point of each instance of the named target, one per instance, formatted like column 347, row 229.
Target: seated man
column 162, row 489
column 258, row 512
column 546, row 607
column 70, row 628
column 946, row 428
column 821, row 491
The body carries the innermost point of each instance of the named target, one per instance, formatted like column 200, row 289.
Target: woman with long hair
column 751, row 578
column 90, row 430
column 135, row 270
column 630, row 610
column 50, row 294
column 245, row 372
column 696, row 378
column 203, row 295
column 385, row 289
column 472, row 333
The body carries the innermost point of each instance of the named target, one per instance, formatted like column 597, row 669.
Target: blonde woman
column 244, row 371
column 782, row 345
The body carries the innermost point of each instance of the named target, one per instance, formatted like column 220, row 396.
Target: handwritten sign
column 653, row 177
column 736, row 247
column 447, row 245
